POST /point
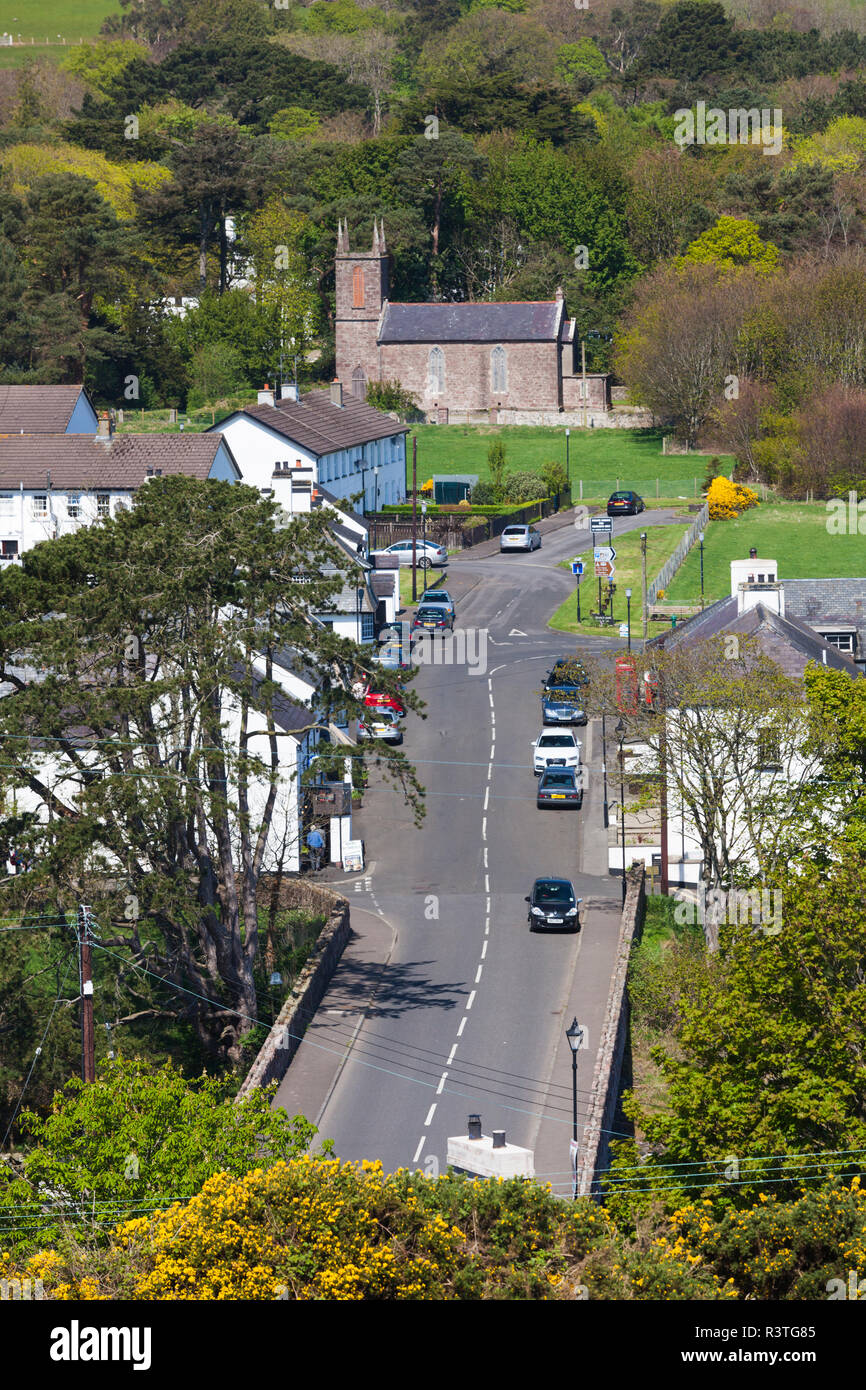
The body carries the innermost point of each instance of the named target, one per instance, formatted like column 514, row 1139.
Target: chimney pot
column 753, row 554
column 499, row 1138
column 336, row 392
column 474, row 1126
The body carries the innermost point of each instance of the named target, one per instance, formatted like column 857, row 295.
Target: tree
column 280, row 240
column 157, row 617
column 666, row 201
column 730, row 243
column 770, row 1052
column 143, row 1136
column 496, row 464
column 679, row 341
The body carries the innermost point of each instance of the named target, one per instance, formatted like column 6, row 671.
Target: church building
column 465, row 363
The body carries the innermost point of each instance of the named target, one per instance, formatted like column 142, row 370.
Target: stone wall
column 285, row 1036
column 532, row 376
column 606, row 1081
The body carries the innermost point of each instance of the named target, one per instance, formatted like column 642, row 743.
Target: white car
column 427, row 553
column 557, row 748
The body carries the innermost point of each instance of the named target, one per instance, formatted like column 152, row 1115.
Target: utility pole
column 583, row 370
column 663, row 799
column 414, row 516
column 88, row 1042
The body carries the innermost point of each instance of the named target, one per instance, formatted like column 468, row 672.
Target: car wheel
column 424, row 562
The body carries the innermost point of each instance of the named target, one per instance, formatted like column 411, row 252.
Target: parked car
column 560, row 787
column 427, row 553
column 520, row 538
column 563, row 704
column 624, row 504
column 556, row 750
column 435, row 597
column 375, row 700
column 552, row 903
column 566, row 670
column 432, row 619
column 390, row 655
column 381, row 723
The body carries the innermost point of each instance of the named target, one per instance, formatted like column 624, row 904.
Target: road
column 472, row 1007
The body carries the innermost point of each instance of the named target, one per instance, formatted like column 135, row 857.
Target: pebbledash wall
column 285, row 1036
column 607, row 1080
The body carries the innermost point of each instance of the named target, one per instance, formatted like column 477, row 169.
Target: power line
column 38, row 1052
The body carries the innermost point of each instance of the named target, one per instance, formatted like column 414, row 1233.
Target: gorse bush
column 727, row 499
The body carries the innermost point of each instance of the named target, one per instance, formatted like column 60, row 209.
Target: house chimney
column 337, row 392
column 103, row 429
column 474, row 1126
column 266, row 395
column 560, row 295
column 289, row 391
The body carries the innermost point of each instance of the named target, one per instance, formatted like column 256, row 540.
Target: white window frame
column 103, row 500
column 73, row 505
column 39, row 512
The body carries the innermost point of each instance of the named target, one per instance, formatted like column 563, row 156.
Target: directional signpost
column 577, row 571
column 604, row 556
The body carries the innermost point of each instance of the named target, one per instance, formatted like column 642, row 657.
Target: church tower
column 361, row 279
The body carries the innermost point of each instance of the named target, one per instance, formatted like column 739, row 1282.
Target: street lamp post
column 628, row 615
column 423, row 526
column 620, row 731
column 375, row 502
column 604, row 765
column 362, row 464
column 567, row 459
column 701, row 540
column 575, row 1039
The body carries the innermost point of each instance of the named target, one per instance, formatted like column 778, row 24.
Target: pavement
column 444, row 1004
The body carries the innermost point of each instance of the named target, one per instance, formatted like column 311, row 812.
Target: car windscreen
column 620, row 496
column 547, row 892
column 564, row 692
column 556, row 741
column 514, row 531
column 437, row 613
column 436, row 596
column 558, row 779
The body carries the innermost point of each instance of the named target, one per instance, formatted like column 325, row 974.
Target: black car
column 430, row 619
column 552, row 903
column 624, row 504
column 560, row 787
column 563, row 704
column 566, row 670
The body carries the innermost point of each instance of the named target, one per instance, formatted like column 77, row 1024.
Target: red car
column 385, row 701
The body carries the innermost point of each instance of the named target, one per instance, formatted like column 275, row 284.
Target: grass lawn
column 602, row 459
column 661, row 541
column 45, row 19
column 792, row 533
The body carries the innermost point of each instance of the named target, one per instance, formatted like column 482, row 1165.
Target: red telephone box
column 626, row 685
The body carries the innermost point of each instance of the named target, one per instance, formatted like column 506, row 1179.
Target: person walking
column 315, row 844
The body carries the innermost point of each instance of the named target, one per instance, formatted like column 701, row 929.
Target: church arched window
column 499, row 370
column 359, row 383
column 436, row 370
column 358, row 287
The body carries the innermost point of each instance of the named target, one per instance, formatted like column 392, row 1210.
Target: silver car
column 427, row 553
column 520, row 538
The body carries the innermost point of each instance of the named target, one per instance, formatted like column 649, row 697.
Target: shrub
column 390, row 396
column 484, row 494
column 524, row 487
column 727, row 499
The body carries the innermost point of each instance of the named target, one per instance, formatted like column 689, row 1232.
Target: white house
column 754, row 611
column 321, row 439
column 46, row 410
column 53, row 484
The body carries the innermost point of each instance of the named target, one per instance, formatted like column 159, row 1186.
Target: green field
column 45, row 20
column 792, row 533
column 602, row 459
column 661, row 541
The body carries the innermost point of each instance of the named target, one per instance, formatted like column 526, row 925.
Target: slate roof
column 37, row 409
column 341, row 504
column 787, row 641
column 531, row 321
column 346, row 599
column 321, row 427
column 95, row 461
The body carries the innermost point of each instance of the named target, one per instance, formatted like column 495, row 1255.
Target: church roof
column 532, row 321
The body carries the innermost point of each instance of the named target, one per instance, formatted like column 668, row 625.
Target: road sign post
column 577, row 571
